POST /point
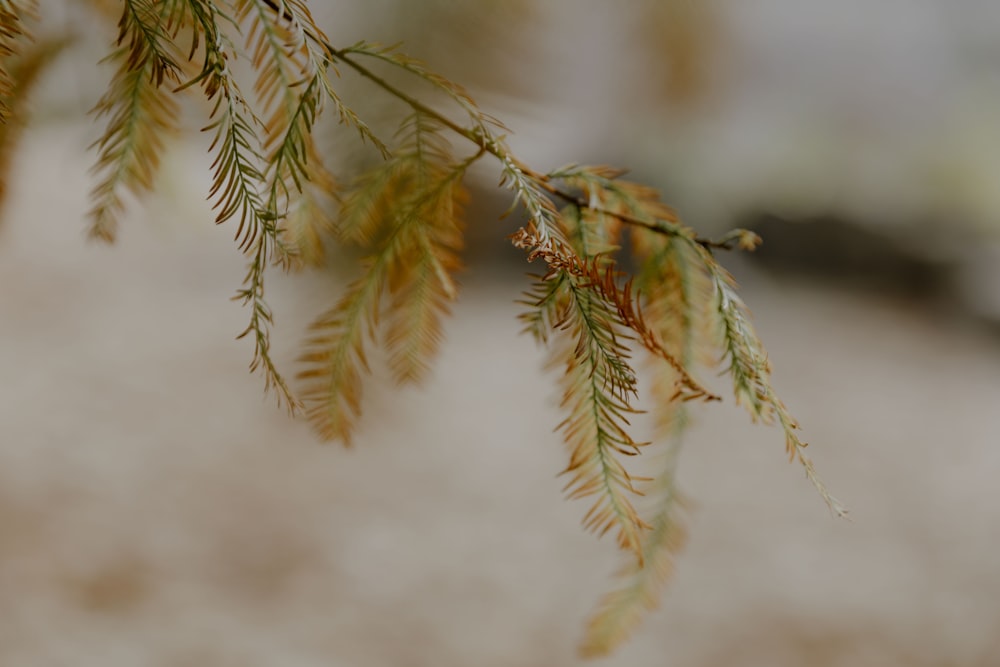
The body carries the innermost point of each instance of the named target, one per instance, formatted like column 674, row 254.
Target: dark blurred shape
column 862, row 257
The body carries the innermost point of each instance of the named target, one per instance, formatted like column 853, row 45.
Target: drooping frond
column 251, row 295
column 237, row 180
column 598, row 273
column 529, row 193
column 335, row 358
column 620, row 612
column 631, row 316
column 240, row 188
column 528, row 186
column 751, row 372
column 427, row 240
column 290, row 85
column 598, row 385
column 409, row 209
column 141, row 111
column 391, row 55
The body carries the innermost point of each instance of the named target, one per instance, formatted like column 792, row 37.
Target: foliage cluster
column 679, row 307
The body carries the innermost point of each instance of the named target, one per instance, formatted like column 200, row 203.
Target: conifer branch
column 336, row 358
column 290, row 86
column 527, row 184
column 598, row 382
column 259, row 328
column 406, row 214
column 237, row 183
column 671, row 295
column 604, row 192
column 642, row 581
column 410, row 208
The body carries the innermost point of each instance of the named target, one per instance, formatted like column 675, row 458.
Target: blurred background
column 156, row 510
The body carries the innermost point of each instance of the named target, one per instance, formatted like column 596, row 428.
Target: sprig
column 141, row 111
column 750, row 370
column 677, row 304
column 23, row 69
column 13, row 35
column 409, row 209
column 672, row 285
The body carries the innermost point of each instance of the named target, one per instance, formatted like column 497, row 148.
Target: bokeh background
column 156, row 510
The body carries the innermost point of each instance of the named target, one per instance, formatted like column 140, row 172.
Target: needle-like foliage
column 672, row 288
column 676, row 311
column 409, row 211
column 751, row 373
column 141, row 111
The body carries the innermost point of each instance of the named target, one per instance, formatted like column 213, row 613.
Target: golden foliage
column 751, row 373
column 679, row 305
column 672, row 287
column 409, row 210
column 695, row 317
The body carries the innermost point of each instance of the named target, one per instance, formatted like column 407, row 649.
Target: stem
column 486, row 142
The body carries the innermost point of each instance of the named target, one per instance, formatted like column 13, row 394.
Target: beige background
column 155, row 510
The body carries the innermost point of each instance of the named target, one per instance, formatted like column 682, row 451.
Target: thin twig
column 490, row 144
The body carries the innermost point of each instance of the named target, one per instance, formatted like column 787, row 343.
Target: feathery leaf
column 290, row 85
column 409, row 209
column 141, row 112
column 335, row 356
column 620, row 612
column 671, row 285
